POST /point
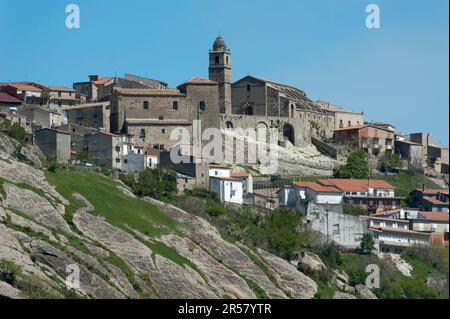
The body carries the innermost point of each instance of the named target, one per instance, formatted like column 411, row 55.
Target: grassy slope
column 110, row 202
column 406, row 182
column 119, row 210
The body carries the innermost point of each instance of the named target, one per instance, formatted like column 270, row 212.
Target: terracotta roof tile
column 356, row 184
column 437, row 216
column 199, row 81
column 318, row 187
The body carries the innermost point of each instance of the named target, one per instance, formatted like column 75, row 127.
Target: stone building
column 151, row 83
column 409, row 151
column 95, row 115
column 342, row 117
column 220, row 72
column 54, row 144
column 58, row 95
column 106, row 149
column 373, row 139
column 155, row 134
column 152, row 114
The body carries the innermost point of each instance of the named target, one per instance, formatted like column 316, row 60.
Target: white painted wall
column 219, row 172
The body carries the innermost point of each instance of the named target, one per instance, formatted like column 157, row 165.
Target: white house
column 231, row 186
column 230, row 190
column 219, row 171
column 152, row 158
column 395, row 240
column 319, row 194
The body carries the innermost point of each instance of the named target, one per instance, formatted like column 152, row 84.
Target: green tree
column 390, row 160
column 356, row 166
column 157, row 183
column 367, row 244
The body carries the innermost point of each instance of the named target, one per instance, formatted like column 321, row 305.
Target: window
column 175, row 105
column 125, row 161
column 341, row 124
column 118, row 160
column 227, row 61
column 216, row 59
column 163, row 131
column 145, row 105
column 161, row 118
column 142, row 133
column 202, row 106
column 59, row 94
column 117, row 148
column 349, row 123
column 248, row 87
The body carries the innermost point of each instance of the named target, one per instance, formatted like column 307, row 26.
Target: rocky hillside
column 123, row 246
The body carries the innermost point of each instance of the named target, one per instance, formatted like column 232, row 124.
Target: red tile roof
column 437, row 216
column 6, row 98
column 318, row 187
column 24, row 87
column 239, row 174
column 356, row 184
column 102, row 81
column 198, row 81
column 434, row 201
column 59, row 88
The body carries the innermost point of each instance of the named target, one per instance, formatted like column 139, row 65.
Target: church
column 151, row 114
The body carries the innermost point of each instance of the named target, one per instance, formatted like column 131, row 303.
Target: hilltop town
column 79, row 164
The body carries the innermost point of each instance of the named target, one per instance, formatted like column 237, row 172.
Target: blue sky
column 398, row 73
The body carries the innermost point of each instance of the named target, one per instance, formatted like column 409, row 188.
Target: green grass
column 118, row 209
column 405, row 182
column 109, row 202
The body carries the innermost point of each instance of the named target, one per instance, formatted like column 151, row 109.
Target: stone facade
column 155, row 133
column 342, row 118
column 95, row 115
column 220, row 72
column 410, row 151
column 54, row 144
column 158, row 111
column 375, row 140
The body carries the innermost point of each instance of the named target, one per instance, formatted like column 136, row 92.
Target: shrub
column 157, row 183
column 367, row 244
column 83, row 155
column 216, row 209
column 9, row 272
column 128, row 179
column 354, row 210
column 356, row 166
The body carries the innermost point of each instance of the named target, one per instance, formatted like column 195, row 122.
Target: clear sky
column 398, row 73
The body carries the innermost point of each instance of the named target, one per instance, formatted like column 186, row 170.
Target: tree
column 356, row 166
column 367, row 244
column 390, row 160
column 157, row 183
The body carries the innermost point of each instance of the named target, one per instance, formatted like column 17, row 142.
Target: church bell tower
column 220, row 72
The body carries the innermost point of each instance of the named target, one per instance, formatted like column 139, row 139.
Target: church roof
column 219, row 44
column 198, row 81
